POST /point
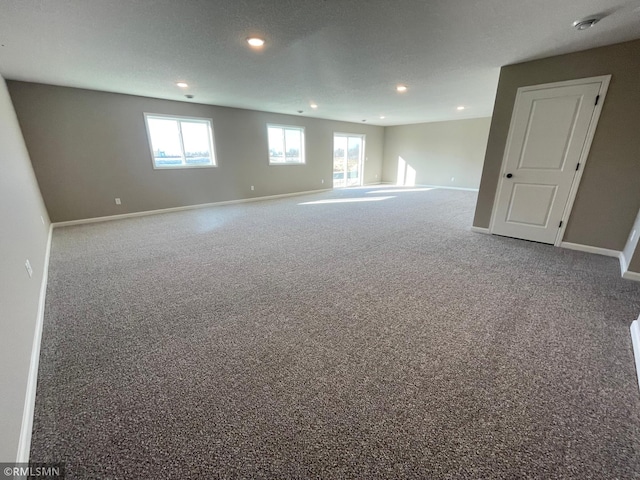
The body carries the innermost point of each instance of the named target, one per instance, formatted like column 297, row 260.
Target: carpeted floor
column 298, row 338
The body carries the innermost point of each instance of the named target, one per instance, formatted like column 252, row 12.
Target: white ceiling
column 345, row 55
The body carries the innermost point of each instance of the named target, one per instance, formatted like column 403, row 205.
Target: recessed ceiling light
column 255, row 41
column 401, row 88
column 381, row 117
column 586, row 23
column 461, row 107
column 313, row 105
column 182, row 84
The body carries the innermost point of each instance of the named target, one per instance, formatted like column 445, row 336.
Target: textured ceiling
column 345, row 55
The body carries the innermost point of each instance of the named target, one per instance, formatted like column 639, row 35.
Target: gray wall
column 22, row 236
column 438, row 151
column 609, row 195
column 89, row 147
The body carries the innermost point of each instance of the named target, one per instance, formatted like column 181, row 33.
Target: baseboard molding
column 624, row 269
column 484, row 230
column 624, row 273
column 589, row 249
column 179, row 209
column 627, row 275
column 446, row 187
column 635, row 341
column 24, row 444
column 419, row 185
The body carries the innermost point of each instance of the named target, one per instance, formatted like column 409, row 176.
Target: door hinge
column 560, row 226
column 577, row 167
column 597, row 99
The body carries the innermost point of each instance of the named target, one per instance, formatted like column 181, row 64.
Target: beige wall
column 609, row 194
column 89, row 147
column 23, row 236
column 437, row 152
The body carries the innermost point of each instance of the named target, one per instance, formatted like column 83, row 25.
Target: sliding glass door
column 348, row 156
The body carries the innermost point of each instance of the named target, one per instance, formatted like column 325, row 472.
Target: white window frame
column 303, row 148
column 178, row 118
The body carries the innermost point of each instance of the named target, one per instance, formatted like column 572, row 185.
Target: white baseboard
column 635, row 341
column 24, row 444
column 446, row 187
column 589, row 249
column 179, row 209
column 627, row 275
column 624, row 269
column 419, row 185
column 484, row 230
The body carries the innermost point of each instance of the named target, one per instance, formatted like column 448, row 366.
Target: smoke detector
column 586, row 23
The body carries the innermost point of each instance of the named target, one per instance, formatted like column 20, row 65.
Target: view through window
column 286, row 145
column 180, row 142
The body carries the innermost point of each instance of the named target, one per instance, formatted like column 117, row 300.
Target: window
column 180, row 142
column 286, row 145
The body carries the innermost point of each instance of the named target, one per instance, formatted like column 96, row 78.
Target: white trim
column 624, row 265
column 627, row 275
column 178, row 209
column 589, row 249
column 624, row 273
column 446, row 187
column 624, row 269
column 635, row 342
column 604, row 86
column 24, row 444
column 484, row 230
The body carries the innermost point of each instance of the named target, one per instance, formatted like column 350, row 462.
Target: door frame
column 362, row 154
column 604, row 81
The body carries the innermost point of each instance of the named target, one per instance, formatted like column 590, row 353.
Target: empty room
column 327, row 239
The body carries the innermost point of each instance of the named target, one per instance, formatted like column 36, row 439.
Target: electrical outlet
column 118, row 202
column 252, row 187
column 27, row 265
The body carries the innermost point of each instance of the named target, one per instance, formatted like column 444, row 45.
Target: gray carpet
column 374, row 339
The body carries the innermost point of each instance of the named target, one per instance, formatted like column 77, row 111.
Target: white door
column 546, row 140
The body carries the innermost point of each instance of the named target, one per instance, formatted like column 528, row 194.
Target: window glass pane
column 195, row 136
column 276, row 145
column 293, row 144
column 165, row 141
column 353, row 161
